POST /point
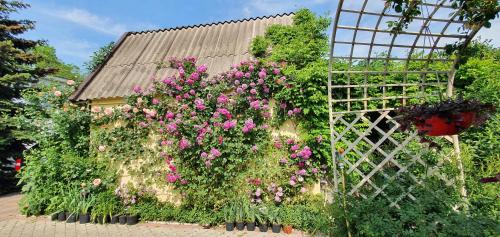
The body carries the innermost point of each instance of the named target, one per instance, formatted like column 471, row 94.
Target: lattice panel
column 376, row 154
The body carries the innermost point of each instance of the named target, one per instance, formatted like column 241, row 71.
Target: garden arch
column 371, row 72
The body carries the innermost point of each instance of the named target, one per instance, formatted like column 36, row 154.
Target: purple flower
column 305, row 153
column 171, row 178
column 224, row 112
column 301, row 172
column 251, row 68
column 276, row 71
column 247, row 75
column 194, row 76
column 239, row 90
column 237, row 82
column 294, row 147
column 253, row 91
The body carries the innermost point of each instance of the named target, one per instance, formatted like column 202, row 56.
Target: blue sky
column 76, row 28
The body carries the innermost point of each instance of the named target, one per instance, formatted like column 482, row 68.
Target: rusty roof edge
column 213, row 23
column 74, row 96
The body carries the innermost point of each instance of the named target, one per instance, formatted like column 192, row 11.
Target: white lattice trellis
column 377, row 71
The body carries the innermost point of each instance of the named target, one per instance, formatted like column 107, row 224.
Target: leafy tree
column 18, row 70
column 47, row 59
column 99, row 56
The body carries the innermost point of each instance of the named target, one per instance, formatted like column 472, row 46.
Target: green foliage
column 47, row 59
column 99, row 57
column 431, row 214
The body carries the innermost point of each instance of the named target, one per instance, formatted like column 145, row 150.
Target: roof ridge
column 211, row 24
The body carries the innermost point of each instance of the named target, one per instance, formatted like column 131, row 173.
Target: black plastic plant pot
column 53, row 217
column 132, row 219
column 240, row 225
column 70, row 217
column 84, row 218
column 276, row 228
column 263, row 227
column 61, row 216
column 229, row 226
column 251, row 226
column 103, row 219
column 115, row 219
column 122, row 220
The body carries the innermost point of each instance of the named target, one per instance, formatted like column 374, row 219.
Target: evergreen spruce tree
column 17, row 71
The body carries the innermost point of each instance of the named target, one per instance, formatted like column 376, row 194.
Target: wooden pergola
column 362, row 96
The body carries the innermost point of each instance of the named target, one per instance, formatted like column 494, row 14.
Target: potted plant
column 132, row 217
column 274, row 220
column 448, row 117
column 122, row 219
column 250, row 217
column 54, row 208
column 240, row 225
column 289, row 218
column 229, row 217
column 262, row 218
column 84, row 206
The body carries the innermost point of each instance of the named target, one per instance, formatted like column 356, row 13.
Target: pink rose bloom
column 181, row 72
column 183, row 144
column 290, row 113
column 70, row 82
column 239, row 90
column 204, row 155
column 253, row 91
column 171, row 178
column 255, row 105
column 178, row 97
column 260, row 81
column 143, row 124
column 276, row 71
column 96, row 182
column 229, row 124
column 238, row 74
column 303, row 190
column 277, row 145
column 163, row 143
column 306, row 153
column 192, row 92
column 57, row 93
column 170, row 115
column 296, row 110
column 277, row 199
column 126, row 108
column 292, row 182
column 199, row 104
column 247, row 75
column 156, row 101
column 171, row 127
column 237, row 82
column 244, row 86
column 184, row 182
column 202, row 68
column 283, row 161
column 251, row 68
column 215, row 152
column 262, row 74
column 194, row 76
column 293, row 156
column 314, row 170
column 301, row 172
column 290, row 141
column 101, row 148
column 249, row 125
column 137, row 89
column 108, row 111
column 167, row 81
column 222, row 99
column 254, row 148
column 294, row 147
column 225, row 112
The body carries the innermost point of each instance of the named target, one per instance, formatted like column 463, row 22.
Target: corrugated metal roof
column 134, row 58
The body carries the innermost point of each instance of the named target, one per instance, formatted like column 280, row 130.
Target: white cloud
column 492, row 33
column 84, row 18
